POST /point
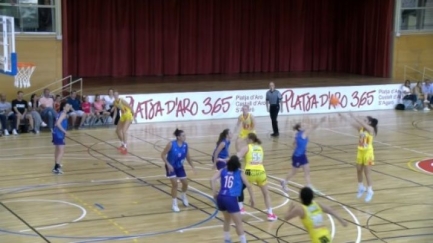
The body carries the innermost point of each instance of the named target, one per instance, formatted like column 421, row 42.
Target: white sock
column 370, row 189
column 241, row 205
column 243, row 239
column 175, row 201
column 182, row 195
column 124, row 145
column 269, row 210
column 360, row 186
column 227, row 235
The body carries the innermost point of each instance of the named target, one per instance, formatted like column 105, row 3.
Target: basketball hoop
column 25, row 71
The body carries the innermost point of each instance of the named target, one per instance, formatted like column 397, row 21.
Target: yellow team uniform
column 254, row 169
column 126, row 111
column 365, row 148
column 313, row 223
column 247, row 126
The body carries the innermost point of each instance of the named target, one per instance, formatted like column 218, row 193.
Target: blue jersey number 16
column 228, row 181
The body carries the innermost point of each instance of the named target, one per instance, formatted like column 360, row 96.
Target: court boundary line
column 357, row 223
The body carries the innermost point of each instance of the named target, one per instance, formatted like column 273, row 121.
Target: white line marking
column 358, row 238
column 333, row 228
column 417, row 166
column 83, row 210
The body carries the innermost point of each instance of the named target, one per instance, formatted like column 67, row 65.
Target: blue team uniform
column 58, row 135
column 299, row 157
column 176, row 157
column 231, row 189
column 224, row 154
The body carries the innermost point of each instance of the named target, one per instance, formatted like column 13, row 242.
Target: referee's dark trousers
column 273, row 112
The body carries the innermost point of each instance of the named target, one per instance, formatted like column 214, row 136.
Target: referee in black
column 274, row 105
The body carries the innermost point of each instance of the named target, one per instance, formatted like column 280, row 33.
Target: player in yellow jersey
column 311, row 214
column 254, row 169
column 125, row 121
column 247, row 124
column 367, row 129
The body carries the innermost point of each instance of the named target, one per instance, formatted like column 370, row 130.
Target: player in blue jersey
column 299, row 157
column 222, row 150
column 59, row 134
column 174, row 156
column 232, row 179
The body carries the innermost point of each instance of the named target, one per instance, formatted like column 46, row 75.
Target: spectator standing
column 20, row 110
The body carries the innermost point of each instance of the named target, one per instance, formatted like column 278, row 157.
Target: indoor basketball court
column 106, row 196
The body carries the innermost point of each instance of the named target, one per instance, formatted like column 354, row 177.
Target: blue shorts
column 220, row 165
column 58, row 140
column 298, row 161
column 228, row 203
column 177, row 173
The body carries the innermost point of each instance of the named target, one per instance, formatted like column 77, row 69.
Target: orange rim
column 25, row 64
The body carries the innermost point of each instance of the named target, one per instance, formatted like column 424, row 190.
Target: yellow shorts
column 257, row 177
column 365, row 157
column 321, row 236
column 127, row 116
column 244, row 133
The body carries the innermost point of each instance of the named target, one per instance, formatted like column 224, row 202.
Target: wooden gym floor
column 107, row 197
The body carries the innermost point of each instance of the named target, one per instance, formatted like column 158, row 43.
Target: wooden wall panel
column 412, row 50
column 46, row 53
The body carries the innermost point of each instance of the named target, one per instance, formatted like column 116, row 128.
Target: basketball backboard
column 8, row 56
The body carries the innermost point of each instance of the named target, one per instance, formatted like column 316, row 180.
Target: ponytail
column 373, row 123
column 253, row 137
column 223, row 135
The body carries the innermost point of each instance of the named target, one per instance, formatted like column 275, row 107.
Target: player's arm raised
column 363, row 124
column 354, row 125
column 312, row 128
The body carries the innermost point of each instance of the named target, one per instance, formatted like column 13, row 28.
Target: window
column 416, row 15
column 31, row 15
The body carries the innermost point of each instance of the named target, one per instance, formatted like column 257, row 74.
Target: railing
column 68, row 88
column 429, row 75
column 39, row 91
column 64, row 88
column 412, row 74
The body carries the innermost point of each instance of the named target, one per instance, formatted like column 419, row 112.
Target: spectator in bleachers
column 417, row 90
column 427, row 89
column 33, row 109
column 99, row 111
column 406, row 93
column 76, row 111
column 46, row 105
column 7, row 114
column 86, row 106
column 20, row 109
column 109, row 106
column 57, row 103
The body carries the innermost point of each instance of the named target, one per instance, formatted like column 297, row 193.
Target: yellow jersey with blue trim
column 254, row 158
